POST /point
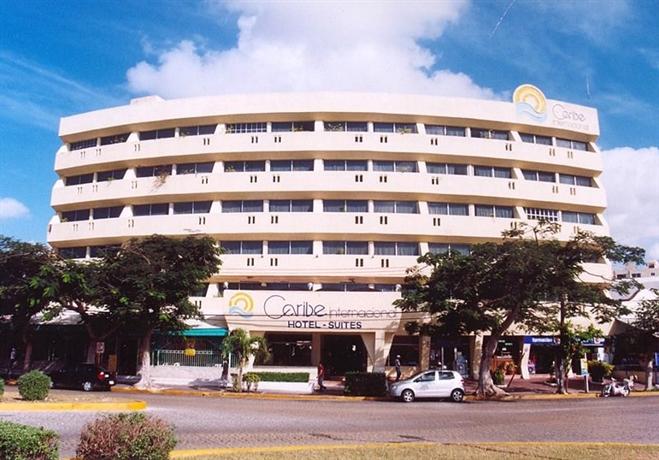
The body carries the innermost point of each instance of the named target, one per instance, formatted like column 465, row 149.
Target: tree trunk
column 145, row 361
column 240, row 376
column 486, row 387
column 91, row 351
column 27, row 357
column 561, row 374
column 649, row 373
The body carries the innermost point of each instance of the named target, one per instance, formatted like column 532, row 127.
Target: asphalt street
column 210, row 422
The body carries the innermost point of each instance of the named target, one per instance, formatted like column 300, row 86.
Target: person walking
column 397, row 366
column 321, row 377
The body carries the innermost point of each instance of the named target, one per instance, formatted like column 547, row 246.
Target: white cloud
column 307, row 46
column 11, row 208
column 630, row 178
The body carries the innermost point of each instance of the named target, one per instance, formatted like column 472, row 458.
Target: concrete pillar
column 369, row 343
column 524, row 362
column 424, row 352
column 315, row 348
column 475, row 350
column 382, row 344
column 250, row 363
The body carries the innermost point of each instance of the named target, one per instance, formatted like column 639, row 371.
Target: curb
column 72, row 406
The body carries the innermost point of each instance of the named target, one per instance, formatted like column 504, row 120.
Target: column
column 369, row 343
column 315, row 348
column 424, row 352
column 382, row 347
column 250, row 363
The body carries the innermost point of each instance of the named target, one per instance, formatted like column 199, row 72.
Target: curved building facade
column 323, row 200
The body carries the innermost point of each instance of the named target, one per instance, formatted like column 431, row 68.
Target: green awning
column 205, row 332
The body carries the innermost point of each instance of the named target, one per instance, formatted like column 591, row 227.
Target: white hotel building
column 322, row 201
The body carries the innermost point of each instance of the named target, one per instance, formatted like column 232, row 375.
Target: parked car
column 430, row 384
column 86, row 377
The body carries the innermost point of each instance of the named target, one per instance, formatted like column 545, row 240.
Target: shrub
column 22, row 442
column 34, row 386
column 126, row 437
column 598, row 370
column 499, row 376
column 366, row 384
column 250, row 379
column 282, row 376
column 2, row 387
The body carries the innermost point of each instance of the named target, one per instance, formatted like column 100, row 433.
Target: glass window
column 577, row 145
column 565, row 143
column 101, row 251
column 231, row 247
column 438, row 208
column 280, row 205
column 505, row 212
column 155, row 209
column 86, row 144
column 503, row 173
column 279, row 247
column 383, row 127
column 583, row 181
column 157, row 134
column 197, row 130
column 232, row 206
column 244, row 166
column 529, row 138
column 281, row 165
column 463, row 249
column 489, row 133
column 544, row 140
column 456, row 131
column 301, row 205
column 153, row 171
column 334, row 126
column 345, row 206
column 407, row 207
column 345, row 165
column 568, row 216
column 302, row 165
column 406, row 128
column 345, row 247
column 436, row 130
column 540, row 213
column 456, row 169
column 445, row 130
column 384, row 206
column 194, row 168
column 356, row 206
column 108, row 213
column 585, row 218
column 115, row 139
column 438, row 248
column 193, row 207
column 544, row 176
column 334, row 206
column 257, row 127
column 530, row 175
column 253, row 206
column 384, row 248
column 252, row 247
column 116, row 174
column 357, row 126
column 357, row 247
column 458, row 209
column 484, row 210
column 72, row 253
column 334, row 165
column 79, row 180
column 407, row 249
column 334, row 247
column 483, row 171
column 406, row 166
column 356, row 165
column 379, row 165
column 302, row 247
column 75, row 216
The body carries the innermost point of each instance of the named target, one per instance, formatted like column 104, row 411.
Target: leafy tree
column 147, row 284
column 646, row 322
column 20, row 300
column 243, row 346
column 500, row 285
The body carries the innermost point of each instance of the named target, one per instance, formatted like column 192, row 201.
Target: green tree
column 243, row 346
column 20, row 299
column 147, row 284
column 646, row 321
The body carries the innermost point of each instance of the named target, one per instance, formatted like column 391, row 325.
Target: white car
column 430, row 384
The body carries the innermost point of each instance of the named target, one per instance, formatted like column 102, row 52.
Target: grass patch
column 467, row 451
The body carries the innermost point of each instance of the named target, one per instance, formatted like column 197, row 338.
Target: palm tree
column 243, row 346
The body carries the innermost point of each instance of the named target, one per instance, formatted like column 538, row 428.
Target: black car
column 86, row 377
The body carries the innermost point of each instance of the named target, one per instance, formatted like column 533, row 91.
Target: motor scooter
column 616, row 388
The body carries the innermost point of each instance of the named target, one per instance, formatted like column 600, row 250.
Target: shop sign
column 539, row 340
column 584, row 365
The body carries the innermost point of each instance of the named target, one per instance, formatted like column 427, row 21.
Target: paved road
column 202, row 422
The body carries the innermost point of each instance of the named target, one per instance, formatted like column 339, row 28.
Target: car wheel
column 457, row 395
column 407, row 396
column 87, row 386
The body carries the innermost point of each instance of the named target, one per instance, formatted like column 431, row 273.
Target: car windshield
column 425, row 377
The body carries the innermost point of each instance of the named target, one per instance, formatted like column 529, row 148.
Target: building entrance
column 343, row 353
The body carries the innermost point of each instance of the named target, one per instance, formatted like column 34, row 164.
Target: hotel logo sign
column 241, row 304
column 532, row 104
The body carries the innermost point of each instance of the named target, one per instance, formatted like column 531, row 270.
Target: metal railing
column 201, row 358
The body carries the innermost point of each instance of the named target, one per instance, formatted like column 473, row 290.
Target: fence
column 201, row 358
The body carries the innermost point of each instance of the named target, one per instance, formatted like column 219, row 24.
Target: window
column 287, row 287
column 75, row 216
column 155, row 209
column 242, row 247
column 448, row 209
column 542, row 176
column 578, row 217
column 242, row 206
column 79, row 180
column 193, row 207
column 489, row 134
column 108, row 213
column 346, row 287
column 570, row 144
column 356, row 126
column 194, row 168
column 291, row 165
column 101, row 251
column 86, row 144
column 446, row 168
column 290, row 247
column 115, row 174
column 295, row 126
column 345, row 206
column 257, row 127
column 395, row 128
column 291, row 205
column 244, row 166
column 72, row 253
column 535, row 139
column 157, row 134
column 396, row 248
column 345, row 165
column 397, row 166
column 442, row 130
column 198, row 130
column 540, row 213
column 407, row 347
column 345, row 247
column 492, row 171
column 444, row 248
column 486, row 210
column 397, row 207
column 153, row 171
column 581, row 181
column 115, row 139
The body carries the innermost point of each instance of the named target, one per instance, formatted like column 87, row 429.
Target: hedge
column 22, row 442
column 34, row 386
column 366, row 384
column 2, row 387
column 282, row 376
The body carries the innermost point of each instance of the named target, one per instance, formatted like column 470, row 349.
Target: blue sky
column 61, row 58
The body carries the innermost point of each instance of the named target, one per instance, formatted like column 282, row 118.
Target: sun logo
column 241, row 304
column 530, row 101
